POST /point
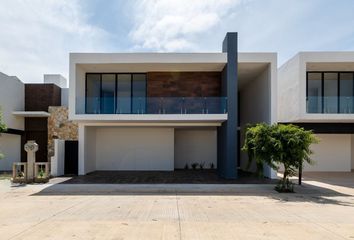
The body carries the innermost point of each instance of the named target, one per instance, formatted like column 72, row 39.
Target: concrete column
column 81, row 138
column 227, row 133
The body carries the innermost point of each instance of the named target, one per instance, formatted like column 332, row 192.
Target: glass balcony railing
column 151, row 105
column 341, row 105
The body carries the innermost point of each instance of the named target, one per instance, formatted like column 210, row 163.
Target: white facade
column 81, row 63
column 142, row 141
column 56, row 79
column 11, row 99
column 292, row 85
column 122, row 141
column 335, row 152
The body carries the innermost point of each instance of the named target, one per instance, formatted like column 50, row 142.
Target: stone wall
column 59, row 127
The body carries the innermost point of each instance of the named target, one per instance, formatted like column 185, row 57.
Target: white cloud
column 286, row 27
column 164, row 25
column 36, row 37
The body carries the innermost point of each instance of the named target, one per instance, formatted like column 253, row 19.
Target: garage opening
column 148, row 148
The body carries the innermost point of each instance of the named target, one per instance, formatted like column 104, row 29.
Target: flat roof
column 144, row 62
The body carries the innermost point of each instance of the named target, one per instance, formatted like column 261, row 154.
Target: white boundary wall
column 10, row 146
column 57, row 161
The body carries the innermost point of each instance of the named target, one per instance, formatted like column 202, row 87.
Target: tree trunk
column 285, row 175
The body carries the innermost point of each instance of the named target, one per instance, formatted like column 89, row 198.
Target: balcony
column 330, row 105
column 151, row 105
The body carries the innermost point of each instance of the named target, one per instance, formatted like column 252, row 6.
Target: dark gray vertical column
column 227, row 133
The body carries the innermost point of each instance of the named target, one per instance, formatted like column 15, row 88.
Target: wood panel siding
column 183, row 84
column 38, row 97
column 36, row 129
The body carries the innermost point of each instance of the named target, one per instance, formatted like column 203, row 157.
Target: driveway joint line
column 44, row 220
column 179, row 218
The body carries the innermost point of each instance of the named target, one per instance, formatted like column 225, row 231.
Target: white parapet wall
column 12, row 99
column 10, row 146
column 57, row 161
column 56, row 79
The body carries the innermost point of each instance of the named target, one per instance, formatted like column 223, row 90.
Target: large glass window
column 124, row 93
column 314, row 92
column 139, row 93
column 93, row 93
column 346, row 92
column 110, row 93
column 330, row 92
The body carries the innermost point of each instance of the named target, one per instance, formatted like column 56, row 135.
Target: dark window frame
column 322, row 87
column 116, row 88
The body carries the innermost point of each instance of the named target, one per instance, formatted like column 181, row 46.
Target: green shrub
column 279, row 144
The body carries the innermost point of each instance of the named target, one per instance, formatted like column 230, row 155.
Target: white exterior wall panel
column 12, row 99
column 332, row 154
column 134, row 148
column 10, row 146
column 195, row 146
column 289, row 90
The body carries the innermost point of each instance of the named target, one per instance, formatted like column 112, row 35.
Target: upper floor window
column 330, row 92
column 109, row 93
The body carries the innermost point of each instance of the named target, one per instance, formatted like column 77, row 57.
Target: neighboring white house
column 316, row 91
column 12, row 102
column 11, row 99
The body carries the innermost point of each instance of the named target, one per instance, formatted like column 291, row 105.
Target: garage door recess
column 134, row 149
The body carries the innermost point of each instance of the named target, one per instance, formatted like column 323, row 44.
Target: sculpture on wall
column 31, row 147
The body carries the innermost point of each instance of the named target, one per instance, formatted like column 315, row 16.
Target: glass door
column 108, row 93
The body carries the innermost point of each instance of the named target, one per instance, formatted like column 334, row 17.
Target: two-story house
column 316, row 91
column 166, row 111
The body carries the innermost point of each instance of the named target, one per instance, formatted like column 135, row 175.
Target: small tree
column 279, row 144
column 3, row 128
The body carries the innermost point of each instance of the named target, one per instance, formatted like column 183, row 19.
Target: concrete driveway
column 319, row 210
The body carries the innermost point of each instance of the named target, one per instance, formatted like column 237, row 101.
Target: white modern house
column 163, row 111
column 316, row 91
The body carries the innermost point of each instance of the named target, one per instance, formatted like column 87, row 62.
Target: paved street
column 322, row 210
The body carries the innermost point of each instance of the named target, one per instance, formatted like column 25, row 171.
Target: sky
column 36, row 36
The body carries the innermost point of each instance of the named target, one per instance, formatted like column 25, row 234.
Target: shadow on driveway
column 165, row 177
column 307, row 193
